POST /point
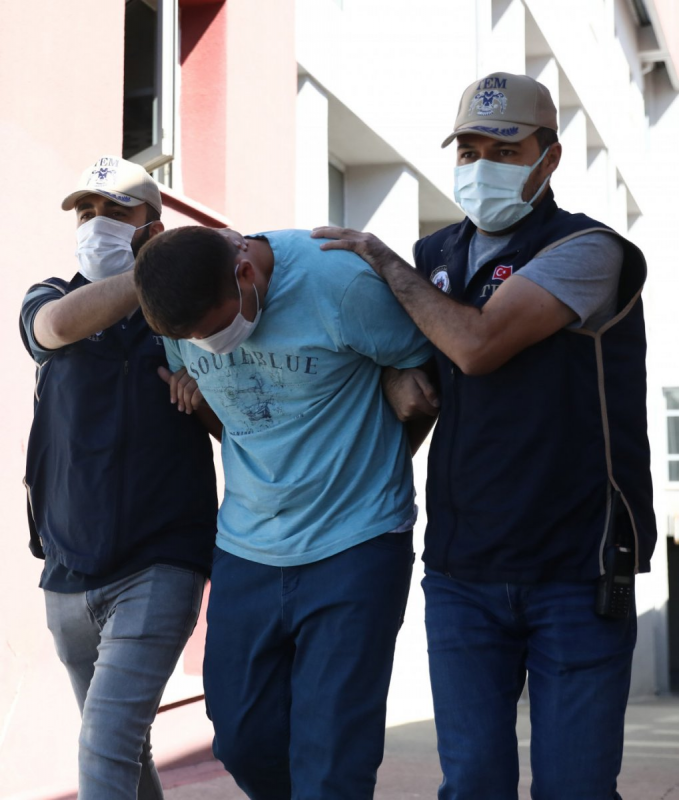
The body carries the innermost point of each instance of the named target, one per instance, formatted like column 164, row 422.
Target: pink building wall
column 61, row 93
column 261, row 91
column 239, row 89
column 668, row 16
column 60, row 108
column 203, row 101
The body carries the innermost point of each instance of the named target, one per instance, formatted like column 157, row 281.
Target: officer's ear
column 553, row 157
column 155, row 228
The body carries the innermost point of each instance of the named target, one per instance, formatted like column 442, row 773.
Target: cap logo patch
column 102, row 176
column 440, row 278
column 501, row 273
column 104, row 172
column 487, row 103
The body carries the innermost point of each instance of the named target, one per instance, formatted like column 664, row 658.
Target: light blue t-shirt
column 315, row 460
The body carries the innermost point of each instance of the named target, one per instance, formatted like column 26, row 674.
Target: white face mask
column 229, row 338
column 490, row 194
column 105, row 247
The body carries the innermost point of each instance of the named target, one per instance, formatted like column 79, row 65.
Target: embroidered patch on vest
column 501, row 273
column 439, row 277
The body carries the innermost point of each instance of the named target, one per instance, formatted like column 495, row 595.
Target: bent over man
column 539, row 500
column 314, row 547
column 121, row 487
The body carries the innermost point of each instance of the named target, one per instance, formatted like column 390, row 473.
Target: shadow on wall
column 662, row 97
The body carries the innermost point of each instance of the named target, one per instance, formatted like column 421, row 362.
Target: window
column 672, row 400
column 335, row 196
column 150, row 57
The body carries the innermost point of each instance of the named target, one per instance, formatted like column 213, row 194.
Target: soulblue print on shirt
column 290, row 363
column 248, row 383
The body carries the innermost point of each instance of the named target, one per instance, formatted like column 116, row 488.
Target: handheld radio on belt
column 615, row 595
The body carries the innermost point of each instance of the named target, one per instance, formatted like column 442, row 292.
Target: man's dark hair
column 546, row 137
column 181, row 275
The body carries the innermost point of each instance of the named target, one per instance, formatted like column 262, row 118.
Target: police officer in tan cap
column 539, row 498
column 121, row 488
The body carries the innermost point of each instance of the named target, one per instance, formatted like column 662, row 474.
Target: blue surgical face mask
column 229, row 338
column 490, row 193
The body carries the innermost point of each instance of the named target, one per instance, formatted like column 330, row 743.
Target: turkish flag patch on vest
column 501, row 273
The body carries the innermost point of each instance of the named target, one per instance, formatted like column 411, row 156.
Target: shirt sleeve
column 584, row 274
column 36, row 297
column 372, row 322
column 175, row 360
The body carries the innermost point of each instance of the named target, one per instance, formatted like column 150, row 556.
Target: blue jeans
column 297, row 668
column 120, row 645
column 483, row 639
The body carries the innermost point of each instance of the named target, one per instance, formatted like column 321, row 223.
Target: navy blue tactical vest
column 116, row 475
column 524, row 461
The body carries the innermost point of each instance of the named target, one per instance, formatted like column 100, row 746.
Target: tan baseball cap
column 504, row 106
column 124, row 182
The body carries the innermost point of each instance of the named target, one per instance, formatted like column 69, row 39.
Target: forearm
column 85, row 311
column 413, row 396
column 454, row 328
column 519, row 313
column 479, row 340
column 210, row 420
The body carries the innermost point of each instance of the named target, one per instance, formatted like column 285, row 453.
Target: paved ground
column 410, row 769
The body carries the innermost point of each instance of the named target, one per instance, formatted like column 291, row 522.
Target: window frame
column 162, row 151
column 670, row 413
